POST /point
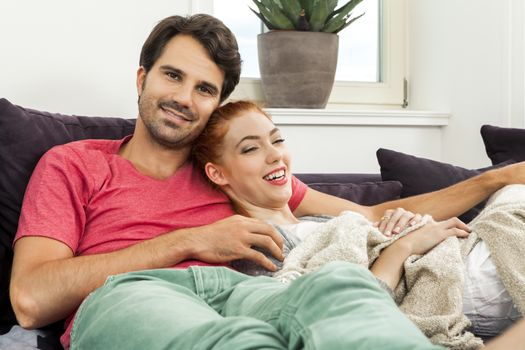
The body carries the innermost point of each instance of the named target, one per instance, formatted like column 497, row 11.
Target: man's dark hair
column 216, row 38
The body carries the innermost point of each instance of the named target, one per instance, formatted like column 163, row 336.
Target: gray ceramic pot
column 297, row 68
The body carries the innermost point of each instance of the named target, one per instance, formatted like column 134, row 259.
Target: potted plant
column 298, row 56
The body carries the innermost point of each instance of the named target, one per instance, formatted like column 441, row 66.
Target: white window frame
column 389, row 93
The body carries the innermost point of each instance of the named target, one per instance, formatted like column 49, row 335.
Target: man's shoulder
column 89, row 154
column 86, row 148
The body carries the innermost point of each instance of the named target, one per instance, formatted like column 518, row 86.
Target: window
column 375, row 76
column 358, row 44
column 359, row 51
column 246, row 26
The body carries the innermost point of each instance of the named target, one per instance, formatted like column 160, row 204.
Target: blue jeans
column 340, row 306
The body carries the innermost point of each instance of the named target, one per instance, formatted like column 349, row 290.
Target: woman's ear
column 215, row 174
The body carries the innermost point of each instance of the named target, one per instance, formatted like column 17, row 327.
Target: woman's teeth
column 276, row 175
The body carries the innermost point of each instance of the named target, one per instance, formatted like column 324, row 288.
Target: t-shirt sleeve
column 55, row 199
column 298, row 191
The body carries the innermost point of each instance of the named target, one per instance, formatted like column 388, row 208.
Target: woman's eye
column 278, row 141
column 248, row 150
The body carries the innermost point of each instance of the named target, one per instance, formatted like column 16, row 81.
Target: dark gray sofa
column 25, row 134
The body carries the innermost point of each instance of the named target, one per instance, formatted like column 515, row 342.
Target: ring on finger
column 385, row 218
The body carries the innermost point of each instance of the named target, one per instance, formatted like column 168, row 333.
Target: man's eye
column 205, row 90
column 173, row 76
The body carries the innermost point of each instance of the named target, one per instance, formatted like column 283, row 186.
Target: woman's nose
column 274, row 154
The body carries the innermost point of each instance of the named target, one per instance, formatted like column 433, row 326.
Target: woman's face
column 255, row 163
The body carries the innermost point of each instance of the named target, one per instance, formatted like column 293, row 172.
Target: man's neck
column 152, row 159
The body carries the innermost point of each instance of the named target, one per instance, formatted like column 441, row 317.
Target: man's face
column 179, row 93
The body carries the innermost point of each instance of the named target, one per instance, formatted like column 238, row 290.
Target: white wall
column 465, row 57
column 329, row 148
column 74, row 56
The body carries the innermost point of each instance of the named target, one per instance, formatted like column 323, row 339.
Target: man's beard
column 165, row 132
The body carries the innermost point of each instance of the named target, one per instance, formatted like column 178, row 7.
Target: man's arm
column 442, row 204
column 48, row 282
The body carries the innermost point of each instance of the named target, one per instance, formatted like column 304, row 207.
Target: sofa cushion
column 25, row 135
column 502, row 144
column 421, row 175
column 365, row 189
column 353, row 178
column 365, row 193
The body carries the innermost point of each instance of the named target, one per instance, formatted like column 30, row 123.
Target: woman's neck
column 279, row 216
column 278, row 213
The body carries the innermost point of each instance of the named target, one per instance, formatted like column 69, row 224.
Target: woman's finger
column 415, row 220
column 383, row 222
column 392, row 222
column 455, row 222
column 403, row 222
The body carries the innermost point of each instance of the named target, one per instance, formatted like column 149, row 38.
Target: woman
column 243, row 154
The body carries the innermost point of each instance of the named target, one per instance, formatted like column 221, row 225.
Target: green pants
column 341, row 306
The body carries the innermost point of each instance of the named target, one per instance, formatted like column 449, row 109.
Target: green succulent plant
column 306, row 15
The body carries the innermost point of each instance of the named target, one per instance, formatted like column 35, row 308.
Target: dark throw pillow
column 365, row 189
column 421, row 175
column 503, row 144
column 25, row 135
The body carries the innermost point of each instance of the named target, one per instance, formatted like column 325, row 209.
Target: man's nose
column 183, row 94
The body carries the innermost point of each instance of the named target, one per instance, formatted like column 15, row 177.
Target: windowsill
column 293, row 116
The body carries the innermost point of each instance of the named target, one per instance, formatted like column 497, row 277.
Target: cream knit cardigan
column 430, row 293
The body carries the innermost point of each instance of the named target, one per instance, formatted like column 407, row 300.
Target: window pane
column 358, row 43
column 245, row 25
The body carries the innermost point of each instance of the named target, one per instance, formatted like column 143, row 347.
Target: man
column 96, row 209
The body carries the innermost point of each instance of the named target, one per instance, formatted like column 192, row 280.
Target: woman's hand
column 396, row 220
column 423, row 239
column 389, row 265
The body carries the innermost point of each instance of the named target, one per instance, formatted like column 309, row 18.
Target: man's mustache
column 174, row 105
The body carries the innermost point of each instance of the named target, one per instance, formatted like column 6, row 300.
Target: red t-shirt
column 88, row 197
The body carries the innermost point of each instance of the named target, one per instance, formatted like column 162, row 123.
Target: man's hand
column 427, row 237
column 40, row 264
column 235, row 238
column 394, row 221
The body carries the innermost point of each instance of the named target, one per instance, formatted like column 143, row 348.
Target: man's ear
column 215, row 174
column 141, row 78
